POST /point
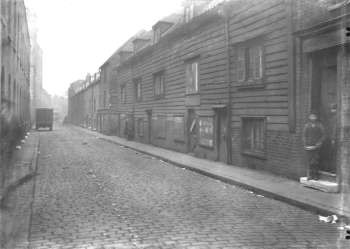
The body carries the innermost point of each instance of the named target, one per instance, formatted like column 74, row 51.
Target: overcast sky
column 77, row 36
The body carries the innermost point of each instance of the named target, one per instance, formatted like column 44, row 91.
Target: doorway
column 149, row 130
column 221, row 134
column 324, row 102
column 191, row 131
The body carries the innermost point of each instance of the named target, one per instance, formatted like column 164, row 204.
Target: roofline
column 330, row 24
column 159, row 22
column 201, row 19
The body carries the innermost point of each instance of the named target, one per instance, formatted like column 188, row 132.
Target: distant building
column 84, row 101
column 40, row 98
column 59, row 104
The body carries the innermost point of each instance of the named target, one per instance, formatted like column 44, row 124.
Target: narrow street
column 93, row 194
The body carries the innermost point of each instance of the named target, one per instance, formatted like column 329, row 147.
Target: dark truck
column 44, row 118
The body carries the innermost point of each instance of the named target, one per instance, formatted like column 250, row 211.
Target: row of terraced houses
column 15, row 70
column 230, row 81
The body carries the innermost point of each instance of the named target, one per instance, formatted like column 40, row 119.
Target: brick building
column 84, row 100
column 40, row 98
column 235, row 82
column 15, row 60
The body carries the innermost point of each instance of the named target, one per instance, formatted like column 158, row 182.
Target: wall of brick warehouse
column 15, row 62
column 15, row 73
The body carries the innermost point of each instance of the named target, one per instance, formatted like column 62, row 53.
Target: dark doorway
column 221, row 134
column 149, row 122
column 191, row 130
column 324, row 102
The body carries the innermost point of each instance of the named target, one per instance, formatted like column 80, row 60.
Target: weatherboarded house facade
column 248, row 122
column 235, row 81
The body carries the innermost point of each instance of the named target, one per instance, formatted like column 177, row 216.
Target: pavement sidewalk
column 16, row 212
column 262, row 183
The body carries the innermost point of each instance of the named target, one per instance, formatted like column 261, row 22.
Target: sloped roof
column 172, row 18
column 127, row 46
column 146, row 35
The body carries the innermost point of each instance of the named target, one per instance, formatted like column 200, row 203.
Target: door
column 149, row 122
column 328, row 110
column 324, row 102
column 221, row 127
column 191, row 131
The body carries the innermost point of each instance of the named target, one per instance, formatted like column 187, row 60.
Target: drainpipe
column 2, row 168
column 343, row 154
column 291, row 68
column 226, row 10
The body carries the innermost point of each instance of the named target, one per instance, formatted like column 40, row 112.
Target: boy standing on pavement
column 313, row 137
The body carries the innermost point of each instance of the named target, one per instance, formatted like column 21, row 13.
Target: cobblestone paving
column 92, row 194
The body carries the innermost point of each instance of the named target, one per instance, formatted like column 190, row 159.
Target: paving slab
column 263, row 183
column 16, row 211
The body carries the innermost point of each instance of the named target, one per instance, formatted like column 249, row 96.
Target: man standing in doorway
column 313, row 137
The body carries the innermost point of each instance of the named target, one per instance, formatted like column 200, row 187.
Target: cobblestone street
column 93, row 194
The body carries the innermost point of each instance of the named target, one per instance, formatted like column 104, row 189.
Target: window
column 206, row 131
column 9, row 87
column 104, row 98
column 159, row 85
column 192, row 77
column 156, row 35
column 138, row 93
column 123, row 94
column 249, row 67
column 160, row 127
column 179, row 128
column 2, row 82
column 105, row 75
column 140, row 127
column 253, row 136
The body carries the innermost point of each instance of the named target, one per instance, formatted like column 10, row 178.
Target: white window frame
column 192, row 69
column 251, row 148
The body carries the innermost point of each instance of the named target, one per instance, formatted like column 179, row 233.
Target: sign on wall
column 206, row 131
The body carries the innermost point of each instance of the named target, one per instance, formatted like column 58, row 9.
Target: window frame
column 156, row 35
column 140, row 121
column 138, row 83
column 245, row 48
column 244, row 146
column 183, row 138
column 161, row 75
column 190, row 63
column 212, row 146
column 123, row 94
column 159, row 117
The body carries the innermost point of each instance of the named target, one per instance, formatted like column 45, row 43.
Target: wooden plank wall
column 206, row 43
column 248, row 20
column 265, row 19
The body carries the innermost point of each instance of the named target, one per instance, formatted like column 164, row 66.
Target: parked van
column 44, row 118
